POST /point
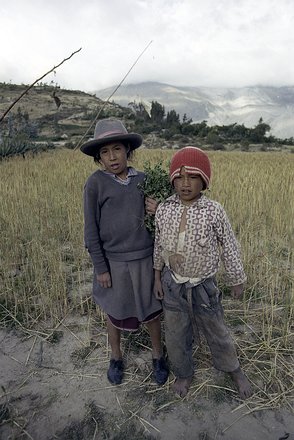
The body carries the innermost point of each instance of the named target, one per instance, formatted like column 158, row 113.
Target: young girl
column 119, row 245
column 192, row 235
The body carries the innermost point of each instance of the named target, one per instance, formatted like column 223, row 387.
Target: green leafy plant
column 15, row 146
column 157, row 186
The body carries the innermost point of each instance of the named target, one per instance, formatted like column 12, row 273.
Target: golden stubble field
column 45, row 282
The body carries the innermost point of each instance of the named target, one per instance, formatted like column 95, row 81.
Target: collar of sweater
column 200, row 203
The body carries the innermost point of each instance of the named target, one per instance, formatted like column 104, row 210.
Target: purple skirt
column 132, row 324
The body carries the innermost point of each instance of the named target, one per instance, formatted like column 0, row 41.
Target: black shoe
column 160, row 370
column 115, row 371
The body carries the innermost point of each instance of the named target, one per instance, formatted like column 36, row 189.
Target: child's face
column 114, row 158
column 188, row 187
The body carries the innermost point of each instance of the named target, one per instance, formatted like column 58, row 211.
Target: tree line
column 169, row 124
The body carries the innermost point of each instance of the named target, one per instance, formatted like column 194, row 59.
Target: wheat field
column 46, row 272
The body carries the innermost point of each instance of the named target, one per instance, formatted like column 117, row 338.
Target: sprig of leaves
column 157, row 186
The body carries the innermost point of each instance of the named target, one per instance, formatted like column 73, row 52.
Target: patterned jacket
column 209, row 239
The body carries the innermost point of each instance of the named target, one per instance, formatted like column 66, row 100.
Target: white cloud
column 210, row 43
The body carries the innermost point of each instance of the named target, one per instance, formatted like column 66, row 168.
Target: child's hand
column 237, row 291
column 104, row 279
column 157, row 289
column 176, row 263
column 150, row 205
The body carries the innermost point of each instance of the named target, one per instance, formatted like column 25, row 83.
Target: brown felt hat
column 107, row 131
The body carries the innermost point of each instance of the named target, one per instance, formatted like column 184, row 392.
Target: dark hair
column 126, row 145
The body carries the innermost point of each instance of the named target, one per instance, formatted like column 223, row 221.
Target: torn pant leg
column 179, row 340
column 208, row 312
column 178, row 326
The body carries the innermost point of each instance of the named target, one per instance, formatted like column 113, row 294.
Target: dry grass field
column 45, row 285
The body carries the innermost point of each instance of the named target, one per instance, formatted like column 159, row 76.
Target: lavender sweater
column 114, row 221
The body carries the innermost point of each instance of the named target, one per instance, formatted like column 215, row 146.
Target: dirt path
column 58, row 389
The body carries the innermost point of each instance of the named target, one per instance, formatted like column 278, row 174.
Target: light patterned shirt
column 208, row 240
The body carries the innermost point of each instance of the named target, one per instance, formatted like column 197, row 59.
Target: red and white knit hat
column 194, row 160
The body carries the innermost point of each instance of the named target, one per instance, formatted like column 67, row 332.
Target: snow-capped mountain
column 221, row 106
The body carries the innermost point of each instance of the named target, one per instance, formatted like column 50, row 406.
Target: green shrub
column 20, row 145
column 157, row 186
column 14, row 146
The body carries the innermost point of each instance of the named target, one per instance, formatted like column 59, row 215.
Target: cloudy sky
column 229, row 43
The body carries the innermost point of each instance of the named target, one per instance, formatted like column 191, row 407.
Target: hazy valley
column 218, row 106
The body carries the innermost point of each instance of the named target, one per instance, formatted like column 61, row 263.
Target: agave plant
column 14, row 146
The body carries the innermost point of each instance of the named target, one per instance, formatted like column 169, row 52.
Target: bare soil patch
column 56, row 388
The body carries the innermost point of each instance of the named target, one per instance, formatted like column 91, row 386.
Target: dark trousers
column 188, row 310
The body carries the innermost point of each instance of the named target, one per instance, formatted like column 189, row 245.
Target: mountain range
column 218, row 106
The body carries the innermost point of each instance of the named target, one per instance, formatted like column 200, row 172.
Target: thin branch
column 37, row 80
column 110, row 96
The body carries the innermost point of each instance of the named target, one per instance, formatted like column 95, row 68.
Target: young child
column 192, row 235
column 120, row 246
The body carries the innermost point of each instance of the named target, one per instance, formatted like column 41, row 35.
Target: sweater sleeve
column 158, row 261
column 91, row 228
column 230, row 251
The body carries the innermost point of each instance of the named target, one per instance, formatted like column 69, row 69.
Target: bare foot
column 181, row 386
column 242, row 383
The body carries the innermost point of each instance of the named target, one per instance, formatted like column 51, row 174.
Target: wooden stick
column 107, row 100
column 37, row 80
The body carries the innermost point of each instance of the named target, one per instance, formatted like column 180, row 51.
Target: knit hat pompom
column 194, row 160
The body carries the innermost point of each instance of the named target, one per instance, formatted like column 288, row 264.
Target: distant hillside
column 218, row 106
column 55, row 113
column 49, row 117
